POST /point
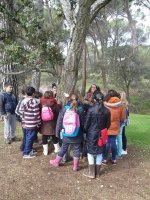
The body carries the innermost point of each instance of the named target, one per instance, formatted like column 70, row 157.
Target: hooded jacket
column 95, row 122
column 8, row 103
column 30, row 111
column 117, row 114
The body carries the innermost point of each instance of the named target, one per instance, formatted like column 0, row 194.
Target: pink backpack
column 71, row 123
column 47, row 113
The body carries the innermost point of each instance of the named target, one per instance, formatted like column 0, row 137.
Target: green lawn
column 138, row 132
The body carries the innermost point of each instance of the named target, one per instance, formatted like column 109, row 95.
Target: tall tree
column 79, row 15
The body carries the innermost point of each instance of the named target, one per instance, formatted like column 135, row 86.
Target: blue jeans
column 119, row 141
column 23, row 139
column 111, row 144
column 76, row 149
column 30, row 136
column 91, row 159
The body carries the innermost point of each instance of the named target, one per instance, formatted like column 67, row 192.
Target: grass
column 138, row 132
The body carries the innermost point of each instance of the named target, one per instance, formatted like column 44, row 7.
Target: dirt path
column 34, row 179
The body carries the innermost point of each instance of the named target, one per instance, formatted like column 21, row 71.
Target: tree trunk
column 70, row 70
column 103, row 62
column 133, row 29
column 10, row 29
column 78, row 18
column 36, row 77
column 83, row 91
column 10, row 79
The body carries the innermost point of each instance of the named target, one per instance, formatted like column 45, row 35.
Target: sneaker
column 7, row 141
column 15, row 139
column 104, row 162
column 114, row 162
column 119, row 157
column 33, row 152
column 29, row 156
column 124, row 152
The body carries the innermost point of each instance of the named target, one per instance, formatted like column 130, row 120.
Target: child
column 8, row 103
column 113, row 103
column 97, row 119
column 32, row 121
column 75, row 137
column 124, row 139
column 86, row 105
column 48, row 127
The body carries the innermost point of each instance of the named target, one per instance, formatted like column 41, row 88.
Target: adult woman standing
column 92, row 90
column 113, row 103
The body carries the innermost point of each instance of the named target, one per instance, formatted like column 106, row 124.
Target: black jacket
column 59, row 126
column 95, row 122
column 8, row 103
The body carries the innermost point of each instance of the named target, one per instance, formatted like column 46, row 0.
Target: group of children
column 77, row 123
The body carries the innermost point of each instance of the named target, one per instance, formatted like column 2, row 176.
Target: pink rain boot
column 75, row 164
column 56, row 161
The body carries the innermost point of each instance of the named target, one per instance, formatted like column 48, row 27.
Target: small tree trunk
column 36, row 77
column 10, row 79
column 133, row 29
column 84, row 72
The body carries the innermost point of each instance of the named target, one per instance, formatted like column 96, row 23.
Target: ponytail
column 101, row 106
column 74, row 106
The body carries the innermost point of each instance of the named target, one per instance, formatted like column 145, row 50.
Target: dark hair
column 30, row 91
column 111, row 93
column 8, row 84
column 54, row 85
column 97, row 88
column 48, row 95
column 98, row 96
column 38, row 94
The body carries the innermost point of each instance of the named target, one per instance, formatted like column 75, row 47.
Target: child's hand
column 66, row 95
column 2, row 117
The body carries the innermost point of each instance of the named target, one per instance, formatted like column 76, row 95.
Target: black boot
column 90, row 172
column 97, row 170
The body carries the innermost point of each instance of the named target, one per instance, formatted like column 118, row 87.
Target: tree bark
column 133, row 29
column 70, row 70
column 83, row 91
column 79, row 20
column 36, row 77
column 10, row 38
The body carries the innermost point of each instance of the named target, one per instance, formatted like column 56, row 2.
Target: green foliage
column 138, row 133
column 32, row 42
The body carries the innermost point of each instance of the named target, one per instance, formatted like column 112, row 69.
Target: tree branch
column 97, row 6
column 14, row 73
column 67, row 11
